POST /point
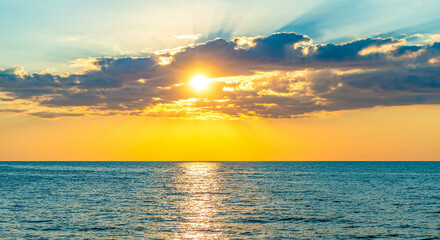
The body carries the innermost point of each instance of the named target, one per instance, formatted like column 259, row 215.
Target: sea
column 219, row 200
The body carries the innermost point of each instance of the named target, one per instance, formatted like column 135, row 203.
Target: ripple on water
column 273, row 200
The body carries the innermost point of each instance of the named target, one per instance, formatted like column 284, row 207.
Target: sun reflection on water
column 199, row 186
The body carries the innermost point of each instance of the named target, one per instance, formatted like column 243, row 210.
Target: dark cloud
column 12, row 110
column 281, row 75
column 54, row 114
column 350, row 51
column 421, row 79
column 275, row 48
column 406, row 50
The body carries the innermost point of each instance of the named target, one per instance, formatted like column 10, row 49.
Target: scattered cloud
column 54, row 114
column 283, row 75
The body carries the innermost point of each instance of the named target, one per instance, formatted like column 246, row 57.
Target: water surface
column 219, row 200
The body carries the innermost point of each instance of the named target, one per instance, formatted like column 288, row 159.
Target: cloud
column 54, row 114
column 283, row 75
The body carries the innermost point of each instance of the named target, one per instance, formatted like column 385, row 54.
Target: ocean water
column 219, row 200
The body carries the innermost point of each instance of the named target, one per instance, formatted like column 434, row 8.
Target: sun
column 200, row 82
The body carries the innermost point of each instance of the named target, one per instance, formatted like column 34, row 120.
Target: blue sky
column 48, row 35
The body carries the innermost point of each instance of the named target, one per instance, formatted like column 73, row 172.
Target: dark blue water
column 219, row 200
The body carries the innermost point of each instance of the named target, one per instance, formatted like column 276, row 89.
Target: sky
column 220, row 80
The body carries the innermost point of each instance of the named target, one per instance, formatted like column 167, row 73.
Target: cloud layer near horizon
column 283, row 75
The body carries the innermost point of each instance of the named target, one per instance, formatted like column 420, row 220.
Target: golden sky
column 383, row 133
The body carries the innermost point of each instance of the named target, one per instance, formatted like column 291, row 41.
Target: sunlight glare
column 200, row 82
